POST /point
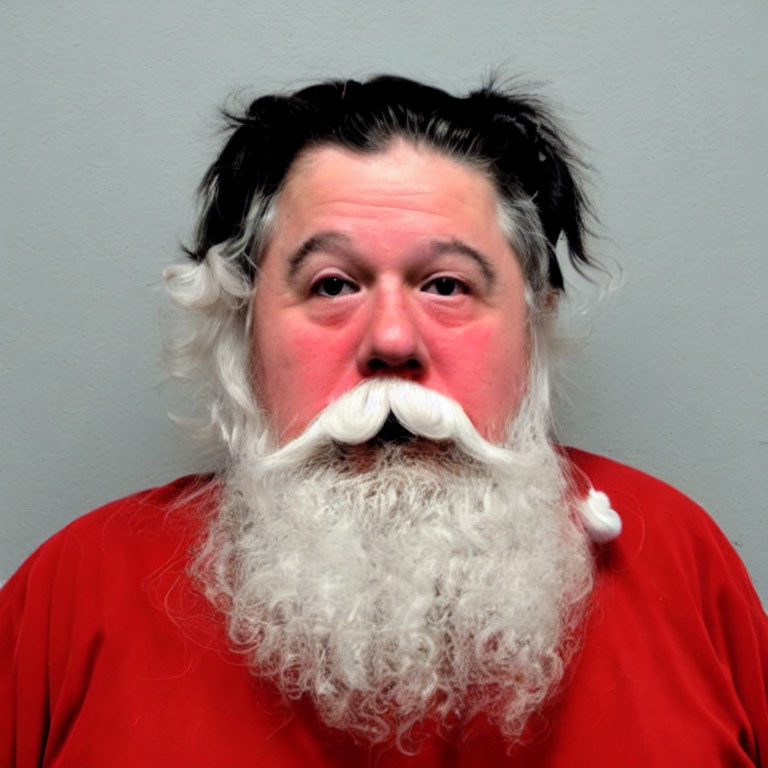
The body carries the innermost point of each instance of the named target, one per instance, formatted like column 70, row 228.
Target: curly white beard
column 394, row 582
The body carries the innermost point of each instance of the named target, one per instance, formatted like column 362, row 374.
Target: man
column 394, row 565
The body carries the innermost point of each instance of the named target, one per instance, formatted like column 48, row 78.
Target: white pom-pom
column 600, row 521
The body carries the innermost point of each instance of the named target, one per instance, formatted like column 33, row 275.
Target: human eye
column 445, row 286
column 332, row 286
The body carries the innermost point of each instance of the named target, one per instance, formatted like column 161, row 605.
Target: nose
column 391, row 342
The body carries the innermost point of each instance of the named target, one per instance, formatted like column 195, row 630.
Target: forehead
column 403, row 182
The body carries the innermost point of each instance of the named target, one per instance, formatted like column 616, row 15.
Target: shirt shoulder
column 110, row 582
column 672, row 590
column 650, row 508
column 147, row 520
column 121, row 543
column 666, row 535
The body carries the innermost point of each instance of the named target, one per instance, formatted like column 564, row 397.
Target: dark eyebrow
column 457, row 246
column 322, row 241
column 334, row 241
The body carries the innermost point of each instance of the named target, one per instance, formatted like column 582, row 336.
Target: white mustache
column 359, row 414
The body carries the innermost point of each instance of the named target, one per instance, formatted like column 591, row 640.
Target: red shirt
column 110, row 659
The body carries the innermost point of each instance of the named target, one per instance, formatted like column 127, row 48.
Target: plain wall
column 109, row 120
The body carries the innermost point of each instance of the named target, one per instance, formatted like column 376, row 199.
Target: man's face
column 394, row 264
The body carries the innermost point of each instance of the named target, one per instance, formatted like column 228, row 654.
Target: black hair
column 513, row 137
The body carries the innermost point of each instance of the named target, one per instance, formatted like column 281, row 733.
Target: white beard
column 399, row 582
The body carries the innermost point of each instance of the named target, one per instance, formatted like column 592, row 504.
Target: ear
column 551, row 302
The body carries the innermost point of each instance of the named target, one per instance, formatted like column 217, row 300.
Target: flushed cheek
column 485, row 371
column 301, row 370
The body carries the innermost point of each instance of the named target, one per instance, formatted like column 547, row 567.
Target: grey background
column 109, row 119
